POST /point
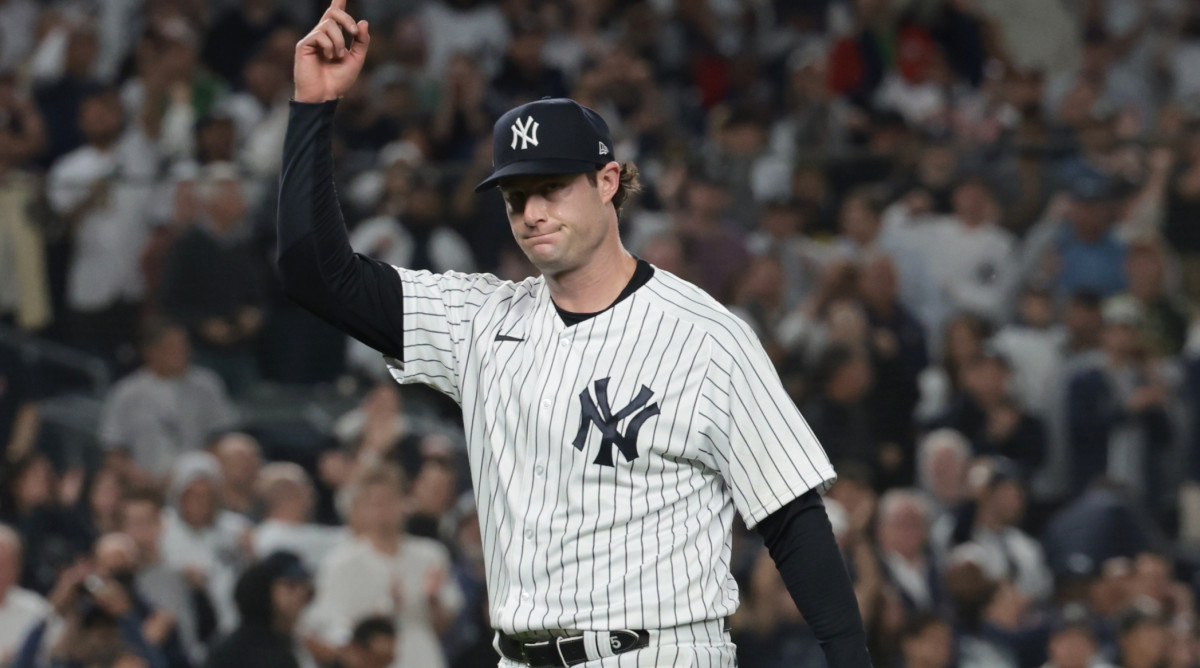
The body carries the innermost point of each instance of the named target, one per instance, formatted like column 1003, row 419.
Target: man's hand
column 325, row 65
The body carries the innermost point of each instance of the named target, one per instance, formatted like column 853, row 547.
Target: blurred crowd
column 966, row 231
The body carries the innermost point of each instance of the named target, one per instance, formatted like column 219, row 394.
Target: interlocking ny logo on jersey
column 527, row 133
column 600, row 414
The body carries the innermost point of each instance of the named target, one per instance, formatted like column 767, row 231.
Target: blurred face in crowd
column 947, row 474
column 425, row 206
column 105, row 495
column 116, row 554
column 1090, row 219
column 225, row 204
column 1121, row 340
column 82, row 49
column 1145, row 269
column 852, row 380
column 903, row 529
column 962, row 341
column 215, row 140
column 931, row 648
column 987, row 379
column 1152, row 576
column 1072, row 648
column 937, row 165
column 763, row 282
column 1144, row 645
column 171, row 355
column 434, row 488
column 379, row 509
column 101, row 119
column 974, row 204
column 526, row 50
column 665, row 252
column 743, row 138
column 878, row 283
column 782, row 222
column 562, row 221
column 264, row 79
column 289, row 596
column 198, row 503
column 1084, row 322
column 142, row 521
column 706, row 200
column 810, row 184
column 238, row 455
column 10, row 560
column 379, row 651
column 847, row 322
column 1036, row 309
column 859, row 222
column 35, row 486
column 1006, row 501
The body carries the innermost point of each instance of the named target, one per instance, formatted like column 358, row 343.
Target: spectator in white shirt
column 381, row 570
column 971, row 259
column 287, row 492
column 20, row 609
column 200, row 535
column 104, row 190
column 181, row 593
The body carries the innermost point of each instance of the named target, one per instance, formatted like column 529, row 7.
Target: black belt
column 570, row 651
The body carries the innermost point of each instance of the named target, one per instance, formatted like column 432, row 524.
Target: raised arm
column 358, row 295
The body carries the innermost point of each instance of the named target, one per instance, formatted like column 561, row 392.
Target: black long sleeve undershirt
column 359, row 295
column 800, row 540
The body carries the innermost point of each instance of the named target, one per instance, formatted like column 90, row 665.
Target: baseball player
column 616, row 416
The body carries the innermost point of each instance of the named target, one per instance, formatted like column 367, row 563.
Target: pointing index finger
column 338, row 5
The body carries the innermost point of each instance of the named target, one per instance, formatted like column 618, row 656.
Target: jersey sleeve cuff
column 752, row 516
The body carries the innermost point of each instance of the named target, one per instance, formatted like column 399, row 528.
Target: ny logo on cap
column 527, row 133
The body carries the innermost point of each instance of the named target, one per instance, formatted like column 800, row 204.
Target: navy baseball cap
column 548, row 136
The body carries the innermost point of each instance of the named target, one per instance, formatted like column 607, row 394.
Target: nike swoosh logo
column 505, row 337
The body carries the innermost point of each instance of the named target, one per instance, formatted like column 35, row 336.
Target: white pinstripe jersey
column 608, row 457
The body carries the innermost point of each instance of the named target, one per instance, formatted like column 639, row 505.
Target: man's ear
column 608, row 181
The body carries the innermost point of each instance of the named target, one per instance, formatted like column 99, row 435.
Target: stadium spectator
column 166, row 408
column 212, row 284
column 903, row 540
column 182, row 593
column 240, row 458
column 372, row 644
column 287, row 494
column 992, row 525
column 379, row 568
column 271, row 595
column 103, row 192
column 1118, row 409
column 20, row 609
column 202, row 538
column 990, row 417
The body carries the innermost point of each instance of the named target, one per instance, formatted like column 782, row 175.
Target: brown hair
column 629, row 185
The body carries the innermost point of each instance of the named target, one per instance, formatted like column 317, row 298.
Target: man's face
column 198, row 503
column 1072, row 648
column 171, row 355
column 558, row 221
column 141, row 521
column 380, row 508
column 380, row 652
